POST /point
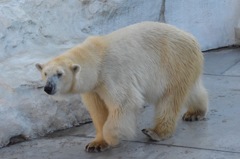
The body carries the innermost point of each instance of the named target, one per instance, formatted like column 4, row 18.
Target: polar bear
column 117, row 73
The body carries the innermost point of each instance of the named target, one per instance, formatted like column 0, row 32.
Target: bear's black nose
column 48, row 89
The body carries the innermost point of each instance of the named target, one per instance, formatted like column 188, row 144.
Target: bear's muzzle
column 50, row 87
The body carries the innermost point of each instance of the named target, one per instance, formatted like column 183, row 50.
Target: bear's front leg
column 98, row 112
column 121, row 123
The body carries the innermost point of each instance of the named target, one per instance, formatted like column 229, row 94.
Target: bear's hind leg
column 197, row 103
column 99, row 114
column 166, row 116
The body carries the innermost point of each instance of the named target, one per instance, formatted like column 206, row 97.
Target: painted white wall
column 237, row 33
column 213, row 22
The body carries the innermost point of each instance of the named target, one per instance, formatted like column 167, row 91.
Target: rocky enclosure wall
column 27, row 25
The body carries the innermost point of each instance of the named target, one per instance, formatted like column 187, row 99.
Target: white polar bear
column 117, row 73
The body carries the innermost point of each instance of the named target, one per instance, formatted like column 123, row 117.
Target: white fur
column 147, row 62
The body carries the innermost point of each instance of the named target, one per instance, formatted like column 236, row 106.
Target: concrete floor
column 217, row 137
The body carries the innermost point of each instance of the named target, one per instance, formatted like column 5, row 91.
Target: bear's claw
column 193, row 116
column 151, row 134
column 96, row 146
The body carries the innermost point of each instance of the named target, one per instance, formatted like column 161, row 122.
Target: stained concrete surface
column 218, row 62
column 216, row 137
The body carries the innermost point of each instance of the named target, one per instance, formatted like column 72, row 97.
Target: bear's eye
column 59, row 74
column 45, row 74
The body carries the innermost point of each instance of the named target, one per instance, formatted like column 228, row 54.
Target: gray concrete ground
column 217, row 137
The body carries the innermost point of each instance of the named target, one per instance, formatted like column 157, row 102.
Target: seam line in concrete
column 168, row 145
column 191, row 147
column 230, row 67
column 221, row 75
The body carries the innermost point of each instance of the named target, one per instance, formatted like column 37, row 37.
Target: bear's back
column 145, row 56
column 153, row 39
column 146, row 30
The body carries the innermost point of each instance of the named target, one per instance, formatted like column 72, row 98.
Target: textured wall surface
column 31, row 24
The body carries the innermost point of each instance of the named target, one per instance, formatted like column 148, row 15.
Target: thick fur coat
column 117, row 73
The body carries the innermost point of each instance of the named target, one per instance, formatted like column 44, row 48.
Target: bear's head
column 59, row 76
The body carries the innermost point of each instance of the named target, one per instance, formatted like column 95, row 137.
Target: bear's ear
column 76, row 68
column 39, row 67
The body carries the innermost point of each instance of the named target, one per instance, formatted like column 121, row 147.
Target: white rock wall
column 33, row 24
